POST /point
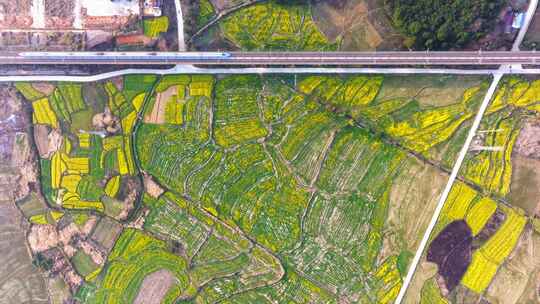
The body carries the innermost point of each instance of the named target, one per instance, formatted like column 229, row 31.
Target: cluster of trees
column 335, row 3
column 293, row 2
column 191, row 11
column 443, row 24
column 43, row 262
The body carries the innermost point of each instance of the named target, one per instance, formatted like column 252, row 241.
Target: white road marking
column 488, row 148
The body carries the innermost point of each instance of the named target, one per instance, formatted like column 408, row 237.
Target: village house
column 108, row 14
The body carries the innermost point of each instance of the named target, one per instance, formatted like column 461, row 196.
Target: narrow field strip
column 453, row 176
column 188, row 69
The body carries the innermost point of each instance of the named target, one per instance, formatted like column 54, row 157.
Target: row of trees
column 443, row 24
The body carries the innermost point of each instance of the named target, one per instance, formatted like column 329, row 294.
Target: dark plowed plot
column 451, row 251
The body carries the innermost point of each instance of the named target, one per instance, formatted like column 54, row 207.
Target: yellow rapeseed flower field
column 479, row 274
column 112, row 186
column 480, row 213
column 43, row 114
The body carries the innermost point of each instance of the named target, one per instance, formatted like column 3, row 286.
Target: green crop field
column 307, row 168
column 267, row 26
column 283, row 189
column 206, row 13
column 272, row 25
column 78, row 173
column 76, row 130
column 153, row 27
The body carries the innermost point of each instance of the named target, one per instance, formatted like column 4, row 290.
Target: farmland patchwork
column 486, row 241
column 277, row 189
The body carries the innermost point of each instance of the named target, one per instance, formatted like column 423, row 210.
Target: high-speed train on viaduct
column 121, row 57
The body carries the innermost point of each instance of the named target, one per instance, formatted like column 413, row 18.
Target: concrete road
column 180, row 27
column 273, row 59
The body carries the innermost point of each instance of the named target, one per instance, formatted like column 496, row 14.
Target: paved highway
column 271, row 58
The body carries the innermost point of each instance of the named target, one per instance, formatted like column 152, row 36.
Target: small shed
column 152, row 8
column 519, row 18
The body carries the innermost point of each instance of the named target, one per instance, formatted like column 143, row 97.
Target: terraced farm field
column 277, row 25
column 279, row 189
column 303, row 168
column 486, row 242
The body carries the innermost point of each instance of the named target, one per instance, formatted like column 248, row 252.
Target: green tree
column 442, row 24
column 443, row 32
column 415, row 27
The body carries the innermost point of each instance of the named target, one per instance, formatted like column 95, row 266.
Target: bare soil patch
column 518, row 280
column 21, row 282
column 154, row 287
column 427, row 90
column 47, row 141
column 41, row 139
column 525, row 185
column 221, row 5
column 15, row 14
column 528, row 142
column 413, row 198
column 361, row 25
column 106, row 121
column 152, row 187
column 43, row 87
column 95, row 38
column 106, row 233
column 157, row 116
